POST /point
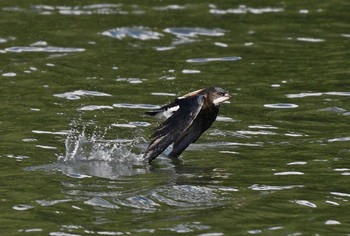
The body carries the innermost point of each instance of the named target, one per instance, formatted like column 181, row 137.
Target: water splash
column 90, row 154
column 81, row 146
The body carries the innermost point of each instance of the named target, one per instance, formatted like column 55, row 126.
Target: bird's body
column 187, row 117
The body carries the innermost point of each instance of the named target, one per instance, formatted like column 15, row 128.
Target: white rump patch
column 167, row 113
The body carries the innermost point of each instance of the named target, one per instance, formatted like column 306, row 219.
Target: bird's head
column 217, row 95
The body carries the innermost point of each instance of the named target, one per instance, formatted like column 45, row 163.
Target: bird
column 187, row 118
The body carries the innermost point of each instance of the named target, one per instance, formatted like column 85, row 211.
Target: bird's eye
column 222, row 93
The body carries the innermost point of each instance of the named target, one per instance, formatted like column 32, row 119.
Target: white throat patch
column 220, row 100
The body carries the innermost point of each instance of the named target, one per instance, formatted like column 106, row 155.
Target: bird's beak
column 227, row 97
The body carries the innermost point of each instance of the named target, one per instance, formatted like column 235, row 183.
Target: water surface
column 77, row 77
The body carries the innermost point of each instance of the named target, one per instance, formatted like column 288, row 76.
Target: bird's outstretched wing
column 171, row 129
column 197, row 128
column 169, row 109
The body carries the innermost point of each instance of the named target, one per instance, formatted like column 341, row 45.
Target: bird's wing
column 165, row 111
column 169, row 109
column 197, row 128
column 174, row 126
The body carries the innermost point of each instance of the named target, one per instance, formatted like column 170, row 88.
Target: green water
column 76, row 78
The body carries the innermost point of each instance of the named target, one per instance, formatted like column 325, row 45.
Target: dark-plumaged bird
column 187, row 117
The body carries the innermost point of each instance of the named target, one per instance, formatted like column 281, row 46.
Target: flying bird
column 187, row 117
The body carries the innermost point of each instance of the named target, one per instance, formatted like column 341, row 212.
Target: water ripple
column 164, row 94
column 202, row 60
column 343, row 139
column 43, row 49
column 135, row 106
column 345, row 171
column 31, row 230
column 190, row 227
column 194, row 32
column 224, row 119
column 273, row 188
column 9, row 74
column 313, row 94
column 311, row 40
column 164, row 48
column 186, row 195
column 3, row 40
column 332, row 222
column 305, row 203
column 219, row 44
column 341, row 194
column 94, row 107
column 140, row 202
column 137, row 32
column 297, row 163
column 170, row 7
column 100, row 202
column 132, row 124
column 281, row 105
column 262, row 127
column 131, row 80
column 75, row 95
column 187, row 71
column 50, row 132
column 18, row 158
column 260, row 132
column 93, row 9
column 243, row 9
column 22, row 207
column 46, row 147
column 51, row 202
column 289, row 173
column 335, row 109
